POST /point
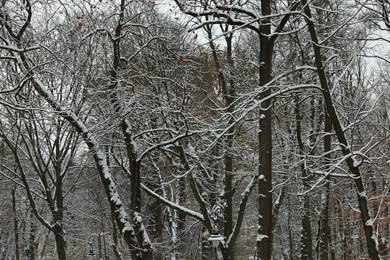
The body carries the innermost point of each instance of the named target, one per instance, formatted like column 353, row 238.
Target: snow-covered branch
column 173, row 205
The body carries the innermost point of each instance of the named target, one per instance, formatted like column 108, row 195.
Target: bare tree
column 353, row 165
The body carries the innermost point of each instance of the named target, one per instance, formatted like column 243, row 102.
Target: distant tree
column 42, row 152
column 15, row 39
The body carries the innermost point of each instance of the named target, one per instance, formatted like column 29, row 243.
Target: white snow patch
column 362, row 194
column 261, row 237
column 356, row 163
column 137, row 217
column 369, row 222
column 376, row 242
column 175, row 205
column 127, row 227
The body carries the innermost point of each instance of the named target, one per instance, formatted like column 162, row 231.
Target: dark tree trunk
column 58, row 215
column 264, row 243
column 228, row 251
column 60, row 242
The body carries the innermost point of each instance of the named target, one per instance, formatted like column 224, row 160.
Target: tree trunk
column 30, row 251
column 60, row 242
column 290, row 231
column 228, row 250
column 16, row 231
column 367, row 221
column 207, row 249
column 114, row 244
column 306, row 244
column 229, row 94
column 323, row 226
column 181, row 198
column 58, row 214
column 264, row 243
column 135, row 163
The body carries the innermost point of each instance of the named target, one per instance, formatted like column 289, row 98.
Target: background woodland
column 135, row 129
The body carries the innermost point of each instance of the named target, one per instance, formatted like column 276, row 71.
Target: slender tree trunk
column 60, row 242
column 30, row 251
column 228, row 251
column 367, row 221
column 384, row 241
column 306, row 244
column 16, row 224
column 181, row 198
column 323, row 223
column 135, row 163
column 58, row 214
column 139, row 227
column 114, row 244
column 115, row 238
column 290, row 235
column 207, row 250
column 323, row 226
column 228, row 90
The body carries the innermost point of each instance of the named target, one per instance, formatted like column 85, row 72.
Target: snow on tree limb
column 176, row 206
